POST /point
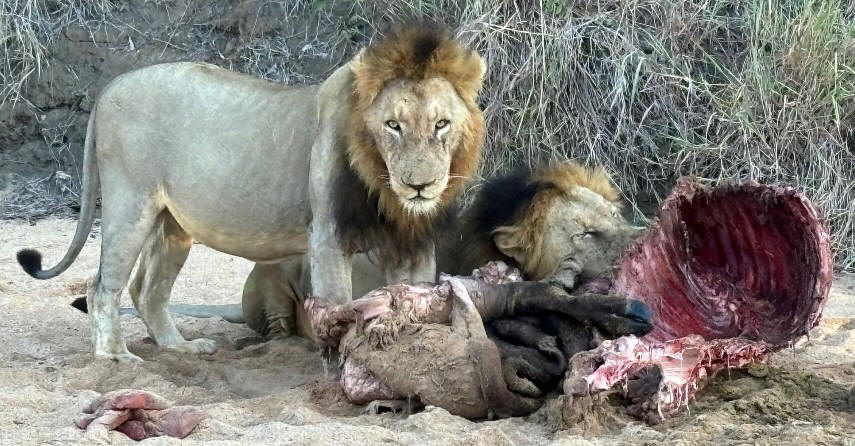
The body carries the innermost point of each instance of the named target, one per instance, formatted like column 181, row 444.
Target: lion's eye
column 393, row 124
column 587, row 235
column 441, row 124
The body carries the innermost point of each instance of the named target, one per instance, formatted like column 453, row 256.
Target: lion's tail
column 229, row 312
column 31, row 259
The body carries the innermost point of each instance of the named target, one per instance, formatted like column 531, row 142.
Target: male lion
column 559, row 223
column 369, row 160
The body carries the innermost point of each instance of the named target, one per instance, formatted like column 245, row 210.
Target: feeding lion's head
column 416, row 131
column 559, row 223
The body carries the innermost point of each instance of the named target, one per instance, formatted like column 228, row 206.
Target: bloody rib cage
column 731, row 273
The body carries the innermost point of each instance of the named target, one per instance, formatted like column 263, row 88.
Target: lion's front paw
column 122, row 358
column 196, row 346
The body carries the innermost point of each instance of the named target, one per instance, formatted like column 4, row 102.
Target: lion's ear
column 507, row 240
column 357, row 62
column 483, row 72
column 359, row 55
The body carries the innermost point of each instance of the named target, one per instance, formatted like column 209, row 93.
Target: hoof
column 377, row 407
column 638, row 310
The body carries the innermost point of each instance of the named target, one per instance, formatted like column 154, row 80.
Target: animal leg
column 528, row 365
column 523, row 333
column 330, row 267
column 485, row 355
column 125, row 226
column 515, row 371
column 615, row 315
column 420, row 271
column 430, row 304
column 165, row 251
column 573, row 335
column 269, row 299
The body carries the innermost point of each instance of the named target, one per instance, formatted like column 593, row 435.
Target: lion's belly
column 262, row 219
column 245, row 210
column 257, row 226
column 257, row 244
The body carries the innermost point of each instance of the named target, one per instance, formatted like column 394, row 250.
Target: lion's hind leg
column 164, row 254
column 125, row 225
column 269, row 301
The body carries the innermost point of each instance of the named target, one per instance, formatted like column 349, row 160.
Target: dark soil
column 42, row 134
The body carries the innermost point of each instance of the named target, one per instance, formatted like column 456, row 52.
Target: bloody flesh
column 731, row 273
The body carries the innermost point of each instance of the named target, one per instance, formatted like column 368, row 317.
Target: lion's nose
column 418, row 187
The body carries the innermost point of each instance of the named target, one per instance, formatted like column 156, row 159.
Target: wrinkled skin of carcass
column 732, row 274
column 428, row 342
column 452, row 366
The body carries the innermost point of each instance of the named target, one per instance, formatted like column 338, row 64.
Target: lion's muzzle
column 419, row 195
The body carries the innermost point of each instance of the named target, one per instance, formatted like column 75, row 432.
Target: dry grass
column 27, row 28
column 651, row 89
column 37, row 198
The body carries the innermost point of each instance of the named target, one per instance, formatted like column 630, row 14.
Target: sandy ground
column 275, row 392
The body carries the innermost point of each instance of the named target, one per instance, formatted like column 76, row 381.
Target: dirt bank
column 43, row 131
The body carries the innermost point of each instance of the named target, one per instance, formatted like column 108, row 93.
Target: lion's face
column 576, row 236
column 417, row 127
column 584, row 236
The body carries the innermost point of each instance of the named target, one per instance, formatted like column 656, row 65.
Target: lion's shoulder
column 333, row 95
